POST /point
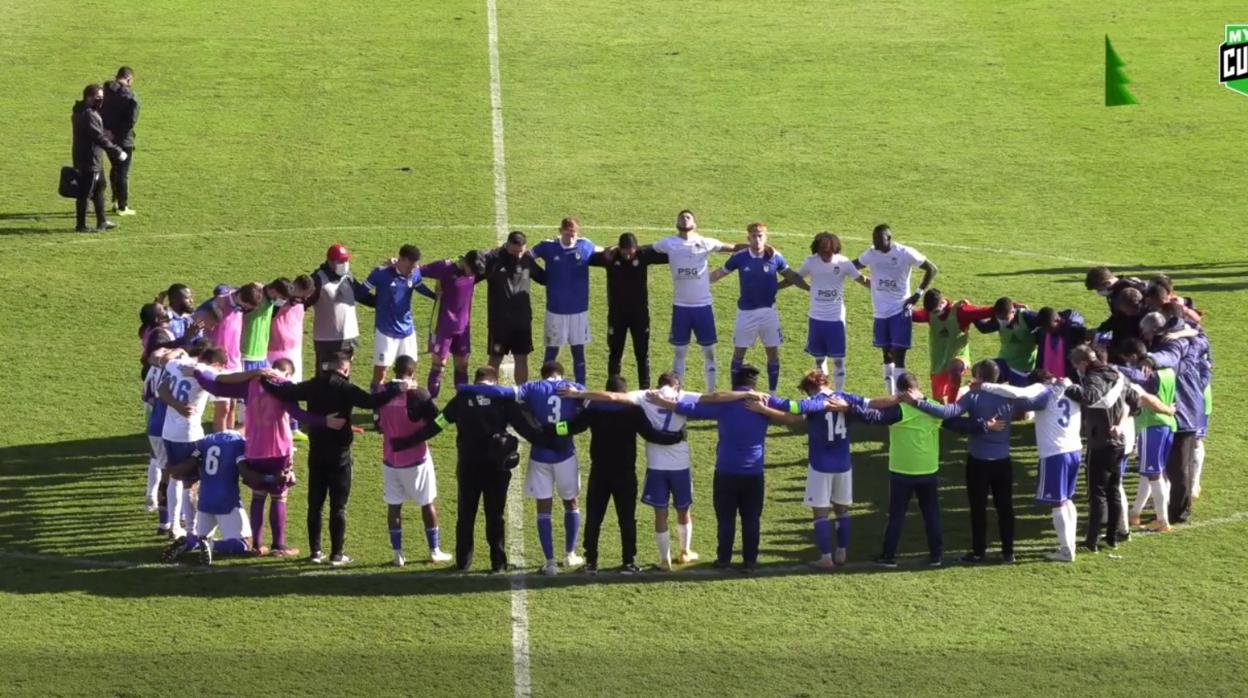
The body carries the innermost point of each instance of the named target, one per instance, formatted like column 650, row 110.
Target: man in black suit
column 120, row 114
column 89, row 140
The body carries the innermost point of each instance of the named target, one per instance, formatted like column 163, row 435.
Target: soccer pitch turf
column 976, row 129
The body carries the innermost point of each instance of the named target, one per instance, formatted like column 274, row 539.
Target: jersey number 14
column 836, row 425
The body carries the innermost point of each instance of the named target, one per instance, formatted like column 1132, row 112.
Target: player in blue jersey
column 216, row 460
column 829, row 478
column 566, row 263
column 757, row 319
column 551, row 470
column 389, row 290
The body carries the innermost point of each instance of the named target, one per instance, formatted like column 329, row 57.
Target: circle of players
column 1138, row 383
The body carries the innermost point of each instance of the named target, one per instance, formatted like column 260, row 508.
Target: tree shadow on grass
column 52, row 499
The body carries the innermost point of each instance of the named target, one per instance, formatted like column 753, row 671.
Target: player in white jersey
column 827, row 269
column 687, row 252
column 1058, row 421
column 185, row 401
column 890, row 264
column 668, row 467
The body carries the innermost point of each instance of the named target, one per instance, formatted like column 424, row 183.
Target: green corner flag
column 1116, row 81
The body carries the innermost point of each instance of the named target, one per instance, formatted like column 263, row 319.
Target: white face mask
column 279, row 302
column 1102, row 292
column 342, row 268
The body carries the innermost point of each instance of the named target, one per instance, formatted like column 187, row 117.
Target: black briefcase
column 69, row 183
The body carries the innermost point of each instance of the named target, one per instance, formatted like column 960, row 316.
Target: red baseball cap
column 337, row 253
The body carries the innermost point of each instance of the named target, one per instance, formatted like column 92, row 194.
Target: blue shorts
column 1058, row 478
column 664, row 485
column 893, row 332
column 253, row 365
column 176, row 452
column 698, row 321
column 1154, row 449
column 825, row 338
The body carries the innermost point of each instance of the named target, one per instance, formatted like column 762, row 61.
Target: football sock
column 230, row 546
column 1161, row 499
column 664, row 541
column 434, row 538
column 1141, row 496
column 888, row 378
column 188, row 509
column 838, row 373
column 255, row 513
column 461, row 376
column 1072, row 520
column 678, row 361
column 546, row 536
column 736, row 365
column 842, row 531
column 1059, row 525
column 396, row 539
column 174, row 493
column 823, row 535
column 1123, row 527
column 773, row 376
column 277, row 521
column 821, row 364
column 578, row 362
column 1198, row 462
column 684, row 535
column 708, row 367
column 434, row 382
column 552, row 353
column 571, row 529
column 153, row 481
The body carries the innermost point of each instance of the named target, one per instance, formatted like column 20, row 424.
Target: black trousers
column 1179, row 472
column 995, row 477
column 90, row 187
column 619, row 326
column 737, row 495
column 119, row 176
column 1104, row 504
column 327, row 349
column 607, row 483
column 329, row 475
column 475, row 483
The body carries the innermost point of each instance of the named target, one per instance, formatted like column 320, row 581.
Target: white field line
column 524, row 578
column 521, row 678
column 501, row 228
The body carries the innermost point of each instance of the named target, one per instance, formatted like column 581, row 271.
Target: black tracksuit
column 90, row 140
column 1106, row 448
column 509, row 310
column 329, row 450
column 120, row 113
column 628, row 309
column 613, row 469
column 480, row 475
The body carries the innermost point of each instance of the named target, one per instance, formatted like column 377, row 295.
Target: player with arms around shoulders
column 889, row 264
column 827, row 270
column 567, row 292
column 757, row 319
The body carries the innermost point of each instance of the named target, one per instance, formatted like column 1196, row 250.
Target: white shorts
column 825, row 489
column 544, row 479
column 417, row 484
column 387, row 349
column 567, row 330
column 232, row 525
column 753, row 325
column 157, row 458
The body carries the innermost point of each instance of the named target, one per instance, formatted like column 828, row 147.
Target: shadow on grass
column 1208, row 276
column 71, row 492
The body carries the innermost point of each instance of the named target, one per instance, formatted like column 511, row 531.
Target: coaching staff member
column 329, row 450
column 487, row 455
column 89, row 140
column 120, row 113
column 508, row 271
column 335, row 327
column 628, row 302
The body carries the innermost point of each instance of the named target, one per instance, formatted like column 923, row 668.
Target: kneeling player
column 217, row 458
column 407, row 475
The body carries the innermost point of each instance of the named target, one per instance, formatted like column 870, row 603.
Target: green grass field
column 976, row 129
